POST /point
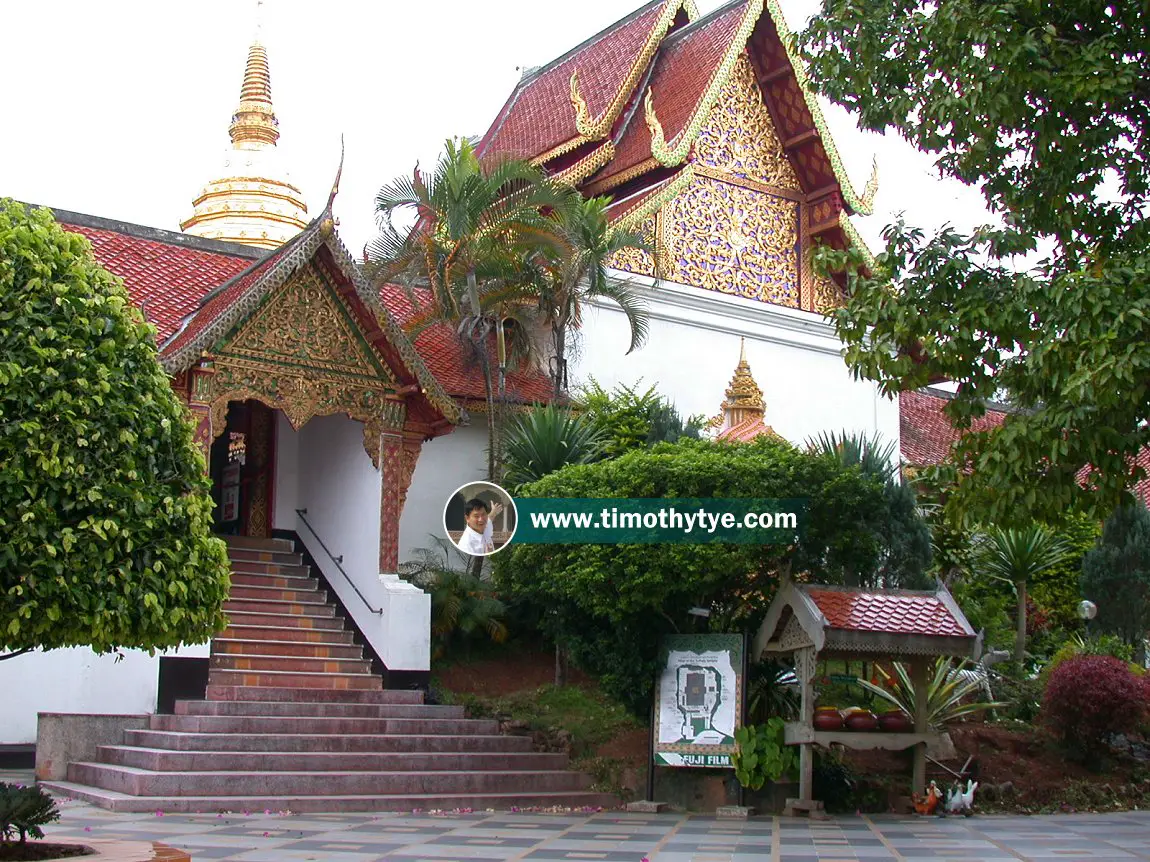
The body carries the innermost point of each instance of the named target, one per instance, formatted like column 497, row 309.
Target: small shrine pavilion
column 813, row 621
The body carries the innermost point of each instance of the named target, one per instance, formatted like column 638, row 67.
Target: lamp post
column 1087, row 610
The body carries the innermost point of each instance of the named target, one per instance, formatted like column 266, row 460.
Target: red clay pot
column 895, row 721
column 863, row 721
column 828, row 718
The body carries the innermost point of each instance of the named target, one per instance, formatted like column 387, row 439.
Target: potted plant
column 762, row 756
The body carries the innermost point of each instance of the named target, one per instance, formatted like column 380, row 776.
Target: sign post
column 698, row 700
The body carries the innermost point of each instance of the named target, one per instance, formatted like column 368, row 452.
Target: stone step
column 267, row 555
column 258, row 544
column 274, row 620
column 292, row 664
column 321, row 724
column 294, row 694
column 114, row 801
column 318, row 710
column 287, row 570
column 287, row 582
column 293, row 679
column 285, row 634
column 305, row 608
column 159, row 760
column 144, row 782
column 276, row 594
column 235, row 646
column 171, row 740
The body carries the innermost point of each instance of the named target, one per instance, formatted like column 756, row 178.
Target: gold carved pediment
column 729, row 238
column 739, row 137
column 303, row 324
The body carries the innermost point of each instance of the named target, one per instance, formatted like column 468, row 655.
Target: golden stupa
column 253, row 202
column 744, row 409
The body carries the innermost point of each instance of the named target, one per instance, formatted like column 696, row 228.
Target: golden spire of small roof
column 744, row 393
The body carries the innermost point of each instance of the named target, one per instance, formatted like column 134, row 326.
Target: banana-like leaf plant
column 946, row 694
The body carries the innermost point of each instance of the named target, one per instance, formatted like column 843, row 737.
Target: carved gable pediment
column 304, row 326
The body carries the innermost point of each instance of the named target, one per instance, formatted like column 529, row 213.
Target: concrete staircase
column 295, row 720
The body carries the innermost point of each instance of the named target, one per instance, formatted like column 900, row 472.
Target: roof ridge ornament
column 583, row 122
column 659, row 147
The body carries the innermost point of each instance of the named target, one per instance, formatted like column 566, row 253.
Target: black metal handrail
column 338, row 562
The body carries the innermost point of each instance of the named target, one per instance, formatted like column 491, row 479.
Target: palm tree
column 1016, row 556
column 578, row 274
column 475, row 225
column 548, row 438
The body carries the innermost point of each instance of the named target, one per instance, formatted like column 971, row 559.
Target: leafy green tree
column 548, row 438
column 1116, row 576
column 1044, row 107
column 476, row 224
column 105, row 515
column 574, row 272
column 630, row 419
column 905, row 536
column 1057, row 590
column 1017, row 556
column 609, row 604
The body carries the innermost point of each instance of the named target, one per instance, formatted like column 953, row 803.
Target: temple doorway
column 242, row 470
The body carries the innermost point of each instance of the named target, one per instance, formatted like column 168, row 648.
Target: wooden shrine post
column 918, row 676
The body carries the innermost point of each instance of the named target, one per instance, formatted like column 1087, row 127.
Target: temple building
column 334, row 440
column 701, row 130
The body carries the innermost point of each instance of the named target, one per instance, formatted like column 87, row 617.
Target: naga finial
column 338, row 175
column 871, row 189
column 658, row 140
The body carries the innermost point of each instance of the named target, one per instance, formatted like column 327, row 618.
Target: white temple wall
column 285, row 488
column 693, row 348
column 444, row 464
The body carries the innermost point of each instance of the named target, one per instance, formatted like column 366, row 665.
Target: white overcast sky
column 120, row 108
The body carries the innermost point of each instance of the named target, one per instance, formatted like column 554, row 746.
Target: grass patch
column 589, row 717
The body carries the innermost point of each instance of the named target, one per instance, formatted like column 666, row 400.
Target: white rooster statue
column 960, row 801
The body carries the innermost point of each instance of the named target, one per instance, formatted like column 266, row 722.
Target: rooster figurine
column 960, row 801
column 926, row 805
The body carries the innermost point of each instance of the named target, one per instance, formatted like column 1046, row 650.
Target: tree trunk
column 492, row 442
column 1020, row 631
column 559, row 338
column 560, row 666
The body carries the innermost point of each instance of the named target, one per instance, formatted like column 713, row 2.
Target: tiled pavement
column 613, row 836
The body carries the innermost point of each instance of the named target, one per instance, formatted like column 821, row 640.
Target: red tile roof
column 165, row 279
column 539, row 115
column 448, row 360
column 220, row 302
column 926, row 434
column 747, row 430
column 887, row 612
column 686, row 63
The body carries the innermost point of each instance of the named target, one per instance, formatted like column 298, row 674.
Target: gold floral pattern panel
column 828, row 295
column 303, row 323
column 732, row 239
column 739, row 137
column 636, row 260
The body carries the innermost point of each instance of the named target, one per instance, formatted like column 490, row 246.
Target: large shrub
column 105, row 515
column 1091, row 697
column 608, row 605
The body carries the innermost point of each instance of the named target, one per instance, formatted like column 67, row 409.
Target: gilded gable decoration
column 739, row 138
column 724, row 237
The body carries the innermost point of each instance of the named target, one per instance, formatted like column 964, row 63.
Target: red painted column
column 391, row 468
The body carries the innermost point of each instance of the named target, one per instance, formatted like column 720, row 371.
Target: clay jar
column 895, row 721
column 862, row 720
column 828, row 718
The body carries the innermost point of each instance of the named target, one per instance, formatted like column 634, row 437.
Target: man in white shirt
column 477, row 534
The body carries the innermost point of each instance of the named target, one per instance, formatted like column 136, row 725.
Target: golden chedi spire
column 253, row 201
column 744, row 408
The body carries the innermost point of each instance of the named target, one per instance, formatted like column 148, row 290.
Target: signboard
column 699, row 700
column 231, row 493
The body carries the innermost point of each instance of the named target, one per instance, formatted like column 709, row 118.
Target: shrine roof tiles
column 926, row 434
column 213, row 305
column 887, row 612
column 687, row 62
column 747, row 430
column 539, row 116
column 446, row 357
column 165, row 275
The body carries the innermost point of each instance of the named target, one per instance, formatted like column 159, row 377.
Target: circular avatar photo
column 479, row 518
